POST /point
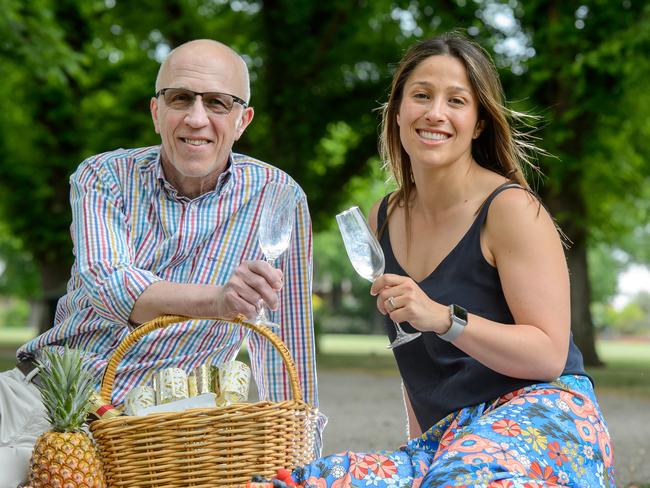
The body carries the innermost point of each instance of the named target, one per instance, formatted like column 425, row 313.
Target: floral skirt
column 544, row 435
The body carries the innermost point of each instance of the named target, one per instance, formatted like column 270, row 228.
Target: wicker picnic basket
column 204, row 447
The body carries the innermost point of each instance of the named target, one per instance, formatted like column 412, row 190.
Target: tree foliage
column 584, row 74
column 78, row 77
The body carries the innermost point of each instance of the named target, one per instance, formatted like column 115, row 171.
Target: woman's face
column 438, row 114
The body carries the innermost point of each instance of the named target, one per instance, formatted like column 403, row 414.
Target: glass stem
column 261, row 306
column 400, row 331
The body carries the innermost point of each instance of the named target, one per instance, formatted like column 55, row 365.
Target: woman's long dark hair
column 500, row 147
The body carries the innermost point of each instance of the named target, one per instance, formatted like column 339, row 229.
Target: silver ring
column 392, row 303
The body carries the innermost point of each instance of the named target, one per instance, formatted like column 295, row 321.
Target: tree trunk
column 569, row 201
column 581, row 322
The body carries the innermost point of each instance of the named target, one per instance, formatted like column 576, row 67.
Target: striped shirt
column 130, row 228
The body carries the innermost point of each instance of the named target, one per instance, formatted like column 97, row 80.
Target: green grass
column 15, row 336
column 11, row 338
column 356, row 352
column 6, row 364
column 627, row 367
column 627, row 363
column 625, row 351
column 354, row 344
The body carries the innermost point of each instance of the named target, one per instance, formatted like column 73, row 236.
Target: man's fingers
column 236, row 293
column 266, row 281
column 271, row 275
column 251, row 282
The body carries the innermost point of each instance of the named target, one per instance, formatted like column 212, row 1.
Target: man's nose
column 197, row 115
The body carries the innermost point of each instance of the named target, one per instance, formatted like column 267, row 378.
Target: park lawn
column 627, row 362
column 627, row 366
column 11, row 336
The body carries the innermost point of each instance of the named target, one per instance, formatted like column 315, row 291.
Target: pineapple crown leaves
column 66, row 387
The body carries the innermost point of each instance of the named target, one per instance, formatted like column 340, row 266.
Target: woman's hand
column 404, row 301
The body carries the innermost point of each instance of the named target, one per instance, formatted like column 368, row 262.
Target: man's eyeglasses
column 214, row 102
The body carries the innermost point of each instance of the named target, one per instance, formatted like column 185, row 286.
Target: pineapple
column 65, row 456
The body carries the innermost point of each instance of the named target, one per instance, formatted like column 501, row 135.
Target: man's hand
column 251, row 282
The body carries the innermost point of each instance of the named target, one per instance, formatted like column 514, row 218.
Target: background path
column 366, row 413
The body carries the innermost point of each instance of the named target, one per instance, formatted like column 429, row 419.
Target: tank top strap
column 382, row 213
column 475, row 228
column 485, row 206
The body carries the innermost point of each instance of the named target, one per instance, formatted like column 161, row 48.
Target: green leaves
column 77, row 77
column 66, row 386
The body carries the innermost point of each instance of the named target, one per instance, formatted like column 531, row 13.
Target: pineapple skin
column 65, row 460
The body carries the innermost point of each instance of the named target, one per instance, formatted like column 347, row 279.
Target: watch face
column 460, row 312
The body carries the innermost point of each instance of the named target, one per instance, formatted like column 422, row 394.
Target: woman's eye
column 457, row 101
column 420, row 96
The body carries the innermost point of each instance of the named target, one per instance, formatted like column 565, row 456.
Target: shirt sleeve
column 296, row 326
column 102, row 243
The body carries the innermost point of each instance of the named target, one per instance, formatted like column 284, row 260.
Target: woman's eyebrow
column 449, row 88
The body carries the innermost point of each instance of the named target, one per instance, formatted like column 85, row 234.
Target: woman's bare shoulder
column 516, row 214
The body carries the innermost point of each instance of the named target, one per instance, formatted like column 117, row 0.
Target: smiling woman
column 494, row 387
column 438, row 110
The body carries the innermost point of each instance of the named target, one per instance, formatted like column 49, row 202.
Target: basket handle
column 164, row 320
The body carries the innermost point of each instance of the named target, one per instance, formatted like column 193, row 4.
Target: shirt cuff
column 119, row 294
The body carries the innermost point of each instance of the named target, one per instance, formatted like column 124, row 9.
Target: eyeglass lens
column 215, row 102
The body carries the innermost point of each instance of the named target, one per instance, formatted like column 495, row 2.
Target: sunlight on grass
column 15, row 336
column 354, row 344
column 616, row 351
column 356, row 352
column 625, row 351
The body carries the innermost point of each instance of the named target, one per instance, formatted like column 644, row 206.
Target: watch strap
column 458, row 317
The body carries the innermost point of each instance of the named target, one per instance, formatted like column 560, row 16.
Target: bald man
column 172, row 229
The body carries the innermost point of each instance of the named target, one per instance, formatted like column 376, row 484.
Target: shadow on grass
column 6, row 364
column 628, row 378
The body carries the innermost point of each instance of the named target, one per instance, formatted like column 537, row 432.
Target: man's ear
column 480, row 125
column 243, row 121
column 153, row 107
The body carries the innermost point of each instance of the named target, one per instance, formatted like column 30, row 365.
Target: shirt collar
column 223, row 182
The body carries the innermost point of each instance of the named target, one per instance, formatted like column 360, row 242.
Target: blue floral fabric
column 544, row 435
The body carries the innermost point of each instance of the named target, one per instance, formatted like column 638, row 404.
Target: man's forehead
column 204, row 63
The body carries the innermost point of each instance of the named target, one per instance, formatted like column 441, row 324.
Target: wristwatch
column 458, row 316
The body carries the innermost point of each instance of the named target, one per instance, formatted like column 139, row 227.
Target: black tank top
column 439, row 377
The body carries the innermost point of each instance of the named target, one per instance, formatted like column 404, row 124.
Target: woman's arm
column 521, row 240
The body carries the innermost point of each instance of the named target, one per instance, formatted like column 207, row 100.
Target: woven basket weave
column 204, row 447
